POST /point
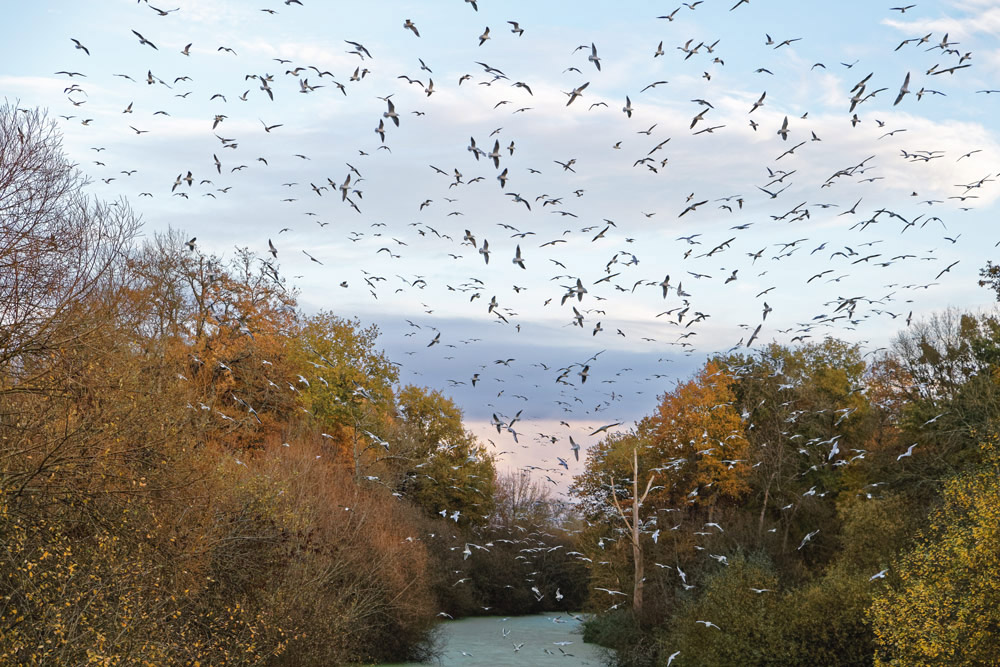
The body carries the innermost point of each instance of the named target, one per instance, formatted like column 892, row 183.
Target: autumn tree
column 95, row 448
column 942, row 603
column 149, row 512
column 451, row 472
column 350, row 385
column 62, row 258
column 695, row 441
column 225, row 326
column 699, row 439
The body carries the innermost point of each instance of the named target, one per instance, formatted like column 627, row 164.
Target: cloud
column 313, row 53
column 982, row 17
column 848, row 197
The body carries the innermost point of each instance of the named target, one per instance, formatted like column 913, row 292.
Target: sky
column 893, row 206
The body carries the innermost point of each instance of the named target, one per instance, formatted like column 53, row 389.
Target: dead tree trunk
column 634, row 526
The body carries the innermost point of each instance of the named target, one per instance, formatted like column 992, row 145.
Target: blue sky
column 432, row 277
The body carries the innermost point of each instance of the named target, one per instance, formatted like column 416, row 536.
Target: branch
column 614, row 499
column 649, row 485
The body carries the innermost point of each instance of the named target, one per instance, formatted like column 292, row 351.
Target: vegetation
column 811, row 507
column 196, row 472
column 945, row 607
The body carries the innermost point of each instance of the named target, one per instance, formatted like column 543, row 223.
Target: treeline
column 195, row 472
column 811, row 505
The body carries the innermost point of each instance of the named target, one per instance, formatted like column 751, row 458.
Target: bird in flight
column 143, row 40
column 575, row 93
column 603, row 429
column 903, row 90
column 594, row 58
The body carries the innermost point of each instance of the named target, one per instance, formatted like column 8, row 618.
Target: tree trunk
column 636, row 545
column 760, row 521
column 634, row 528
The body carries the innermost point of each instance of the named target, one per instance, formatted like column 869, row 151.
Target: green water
column 481, row 641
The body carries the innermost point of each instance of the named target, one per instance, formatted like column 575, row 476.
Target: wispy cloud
column 981, row 17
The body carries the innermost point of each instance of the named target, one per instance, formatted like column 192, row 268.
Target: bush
column 618, row 631
column 825, row 619
column 324, row 561
column 750, row 629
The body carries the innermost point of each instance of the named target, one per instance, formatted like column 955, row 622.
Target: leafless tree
column 58, row 247
column 63, row 269
column 520, row 500
column 634, row 527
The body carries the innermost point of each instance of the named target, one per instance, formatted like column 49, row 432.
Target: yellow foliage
column 944, row 605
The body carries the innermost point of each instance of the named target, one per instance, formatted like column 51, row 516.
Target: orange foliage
column 698, row 436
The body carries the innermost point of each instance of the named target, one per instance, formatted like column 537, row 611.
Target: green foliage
column 434, row 420
column 449, row 470
column 618, row 630
column 875, row 530
column 825, row 619
column 820, row 623
column 354, row 373
column 750, row 624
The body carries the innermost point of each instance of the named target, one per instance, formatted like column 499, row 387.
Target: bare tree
column 62, row 271
column 58, row 247
column 634, row 527
column 520, row 500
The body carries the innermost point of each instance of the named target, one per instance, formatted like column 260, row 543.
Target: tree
column 521, row 501
column 951, row 361
column 450, row 472
column 942, row 605
column 89, row 433
column 634, row 528
column 809, row 424
column 148, row 513
column 749, row 625
column 350, row 390
column 989, row 276
column 694, row 440
column 58, row 247
column 699, row 440
column 693, row 445
column 62, row 261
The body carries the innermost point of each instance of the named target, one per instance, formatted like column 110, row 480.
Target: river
column 542, row 639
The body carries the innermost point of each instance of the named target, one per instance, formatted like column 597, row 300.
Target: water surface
column 543, row 639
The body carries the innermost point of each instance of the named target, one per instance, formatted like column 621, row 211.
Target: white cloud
column 982, row 18
column 769, row 247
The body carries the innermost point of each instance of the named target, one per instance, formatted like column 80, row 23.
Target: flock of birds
column 659, row 266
